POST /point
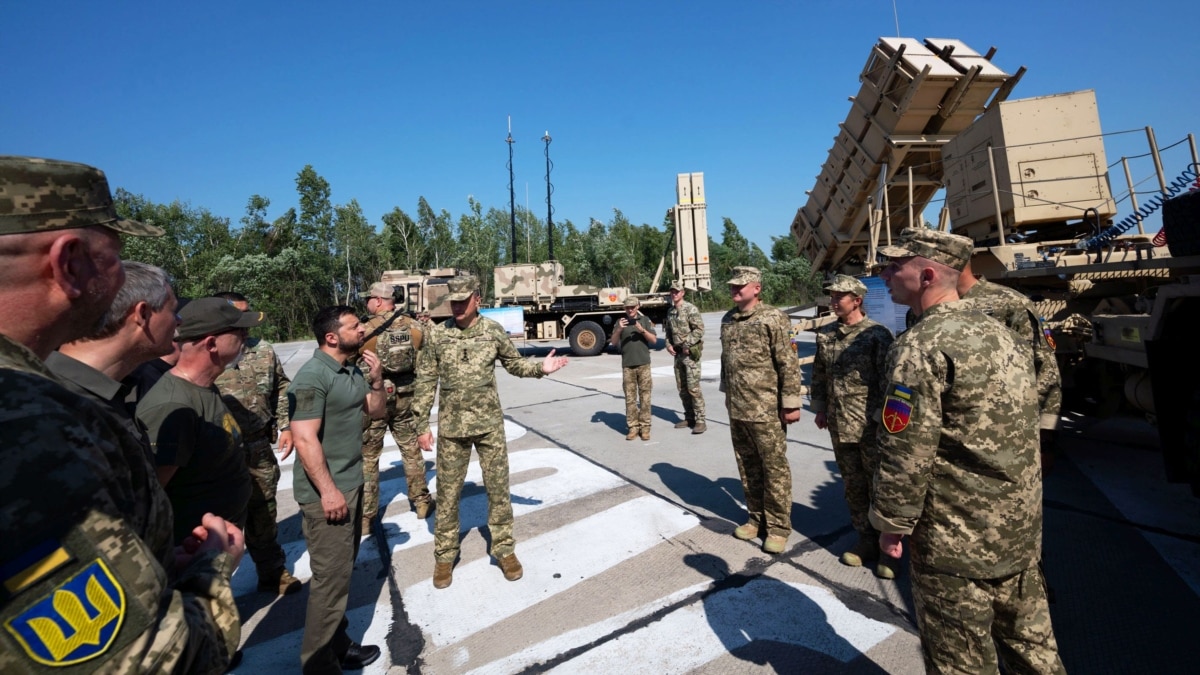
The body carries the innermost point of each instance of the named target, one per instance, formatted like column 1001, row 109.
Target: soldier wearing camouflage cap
column 460, row 356
column 846, row 396
column 760, row 376
column 958, row 471
column 84, row 519
column 633, row 336
column 685, row 341
column 255, row 391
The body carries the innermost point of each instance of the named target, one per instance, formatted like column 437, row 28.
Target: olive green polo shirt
column 334, row 394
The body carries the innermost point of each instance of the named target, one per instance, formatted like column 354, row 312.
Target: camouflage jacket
column 958, row 447
column 847, row 377
column 255, row 391
column 397, row 347
column 760, row 374
column 685, row 328
column 463, row 364
column 1015, row 310
column 86, row 551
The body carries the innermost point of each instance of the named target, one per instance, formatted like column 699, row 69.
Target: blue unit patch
column 75, row 622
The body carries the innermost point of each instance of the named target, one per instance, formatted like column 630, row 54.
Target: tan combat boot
column 511, row 567
column 278, row 581
column 700, row 428
column 646, row 434
column 631, row 435
column 442, row 574
column 864, row 550
column 774, row 543
column 423, row 508
column 886, row 567
column 746, row 532
column 683, row 424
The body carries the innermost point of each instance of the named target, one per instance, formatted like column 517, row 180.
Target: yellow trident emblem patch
column 76, row 622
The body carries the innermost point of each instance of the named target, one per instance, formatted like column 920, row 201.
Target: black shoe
column 359, row 656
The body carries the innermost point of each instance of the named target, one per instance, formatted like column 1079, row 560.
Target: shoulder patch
column 75, row 622
column 897, row 408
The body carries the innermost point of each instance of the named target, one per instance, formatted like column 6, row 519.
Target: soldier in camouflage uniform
column 633, row 336
column 685, row 341
column 395, row 338
column 460, row 356
column 847, row 394
column 958, row 471
column 90, row 574
column 761, row 380
column 255, row 391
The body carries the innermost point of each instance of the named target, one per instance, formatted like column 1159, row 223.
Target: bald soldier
column 958, row 470
column 90, row 576
column 395, row 338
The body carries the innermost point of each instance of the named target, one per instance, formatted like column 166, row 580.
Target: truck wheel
column 587, row 338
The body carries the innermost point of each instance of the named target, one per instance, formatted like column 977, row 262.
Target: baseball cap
column 462, row 287
column 948, row 249
column 678, row 286
column 631, row 301
column 844, row 283
column 49, row 194
column 379, row 289
column 745, row 275
column 208, row 316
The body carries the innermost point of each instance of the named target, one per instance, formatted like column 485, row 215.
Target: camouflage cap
column 49, row 194
column 844, row 283
column 745, row 275
column 208, row 316
column 380, row 289
column 948, row 249
column 631, row 301
column 463, row 287
column 678, row 286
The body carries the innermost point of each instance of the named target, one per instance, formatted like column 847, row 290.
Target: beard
column 350, row 348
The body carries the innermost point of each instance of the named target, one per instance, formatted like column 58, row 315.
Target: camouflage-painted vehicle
column 418, row 292
column 1028, row 181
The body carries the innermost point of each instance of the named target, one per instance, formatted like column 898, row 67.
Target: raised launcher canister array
column 915, row 97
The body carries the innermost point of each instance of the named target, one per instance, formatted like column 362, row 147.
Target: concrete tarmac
column 630, row 564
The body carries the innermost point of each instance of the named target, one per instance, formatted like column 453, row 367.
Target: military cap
column 678, row 286
column 948, row 249
column 463, row 287
column 745, row 275
column 208, row 316
column 844, row 283
column 49, row 194
column 631, row 301
column 380, row 289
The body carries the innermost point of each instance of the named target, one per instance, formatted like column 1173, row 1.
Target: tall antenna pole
column 896, row 15
column 549, row 189
column 512, row 197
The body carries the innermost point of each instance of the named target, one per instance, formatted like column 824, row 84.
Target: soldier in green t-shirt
column 632, row 337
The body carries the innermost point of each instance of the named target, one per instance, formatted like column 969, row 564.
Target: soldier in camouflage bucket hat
column 958, row 474
column 100, row 517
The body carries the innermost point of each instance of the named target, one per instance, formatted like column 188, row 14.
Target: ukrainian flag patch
column 76, row 621
column 897, row 408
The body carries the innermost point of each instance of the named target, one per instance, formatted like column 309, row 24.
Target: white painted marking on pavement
column 661, row 371
column 553, row 563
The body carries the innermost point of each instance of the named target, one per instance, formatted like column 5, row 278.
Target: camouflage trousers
column 687, row 381
column 761, row 452
column 857, row 462
column 453, row 458
column 965, row 622
column 636, row 382
column 262, row 529
column 399, row 420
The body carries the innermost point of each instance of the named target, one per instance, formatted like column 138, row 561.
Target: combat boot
column 746, row 532
column 774, row 543
column 511, row 567
column 443, row 574
column 631, row 435
column 646, row 434
column 700, row 428
column 278, row 581
column 683, row 424
column 423, row 508
column 865, row 549
column 886, row 567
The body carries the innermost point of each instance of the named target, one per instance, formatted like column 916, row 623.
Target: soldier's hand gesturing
column 552, row 363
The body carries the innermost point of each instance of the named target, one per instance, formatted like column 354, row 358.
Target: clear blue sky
column 211, row 102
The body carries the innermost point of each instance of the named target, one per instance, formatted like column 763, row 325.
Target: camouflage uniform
column 255, row 391
column 636, row 379
column 79, row 495
column 397, row 350
column 463, row 362
column 959, row 472
column 847, row 385
column 760, row 377
column 685, row 329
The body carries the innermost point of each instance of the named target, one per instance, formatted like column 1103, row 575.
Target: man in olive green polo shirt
column 325, row 403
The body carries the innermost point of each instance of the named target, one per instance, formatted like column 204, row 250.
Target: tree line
column 318, row 253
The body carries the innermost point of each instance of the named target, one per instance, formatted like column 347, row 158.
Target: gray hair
column 143, row 283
